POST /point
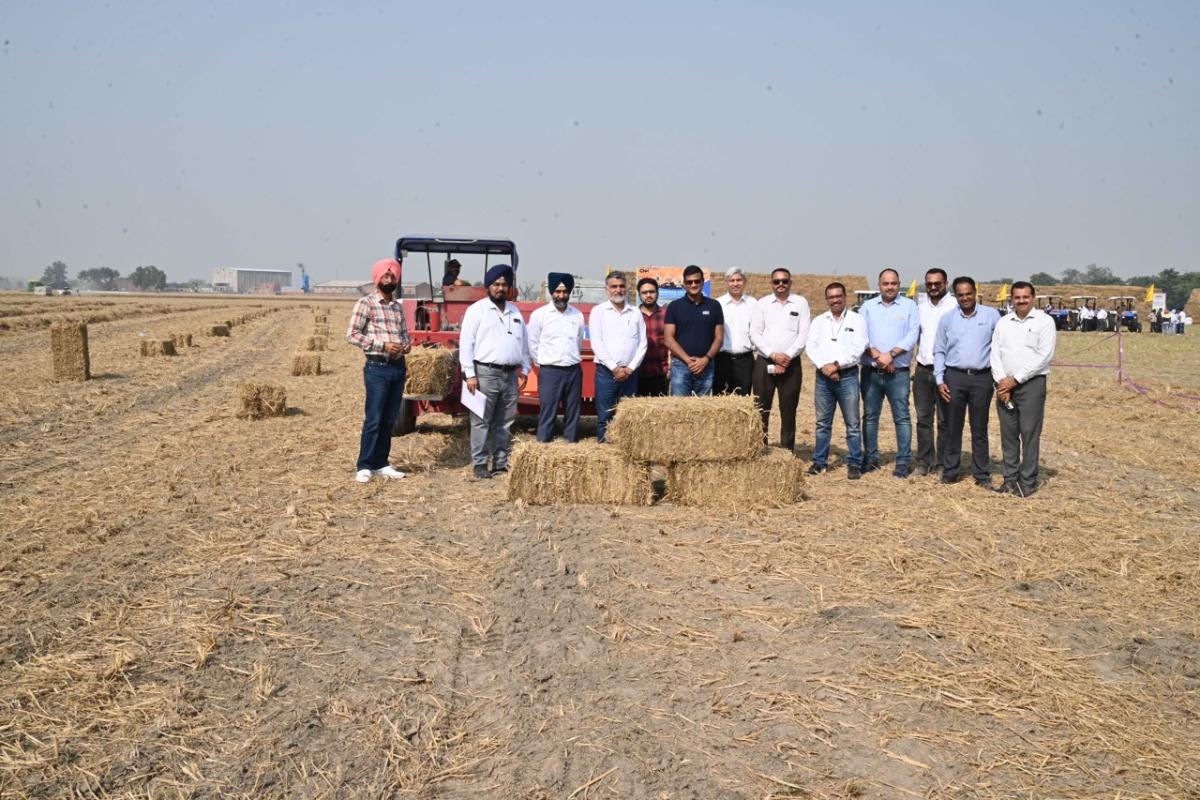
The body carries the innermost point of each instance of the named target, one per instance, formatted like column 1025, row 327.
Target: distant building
column 243, row 281
column 343, row 287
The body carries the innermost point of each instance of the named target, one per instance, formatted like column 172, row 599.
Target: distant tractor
column 1053, row 306
column 861, row 296
column 436, row 314
column 1124, row 312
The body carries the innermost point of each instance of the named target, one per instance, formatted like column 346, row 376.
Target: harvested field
column 810, row 287
column 221, row 611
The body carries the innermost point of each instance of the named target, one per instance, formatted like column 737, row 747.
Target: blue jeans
column 609, row 392
column 684, row 383
column 384, row 384
column 875, row 386
column 827, row 395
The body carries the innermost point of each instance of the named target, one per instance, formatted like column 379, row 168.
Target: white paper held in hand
column 475, row 403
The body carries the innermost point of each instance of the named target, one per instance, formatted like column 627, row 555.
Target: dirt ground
column 193, row 605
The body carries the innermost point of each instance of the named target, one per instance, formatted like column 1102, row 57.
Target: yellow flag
column 1003, row 293
column 1150, row 294
column 912, row 290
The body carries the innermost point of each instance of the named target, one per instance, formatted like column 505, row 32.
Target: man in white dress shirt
column 735, row 362
column 931, row 409
column 778, row 330
column 1022, row 348
column 836, row 341
column 555, row 340
column 618, row 332
column 494, row 357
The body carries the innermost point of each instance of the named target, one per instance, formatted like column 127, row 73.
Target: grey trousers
column 1021, row 432
column 931, row 441
column 490, row 433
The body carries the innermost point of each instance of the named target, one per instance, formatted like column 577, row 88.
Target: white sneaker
column 389, row 472
column 363, row 476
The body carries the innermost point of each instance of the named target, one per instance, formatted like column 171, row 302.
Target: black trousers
column 654, row 386
column 787, row 384
column 1021, row 432
column 931, row 408
column 970, row 395
column 555, row 385
column 734, row 373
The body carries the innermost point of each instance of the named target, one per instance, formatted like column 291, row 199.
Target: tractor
column 436, row 312
column 861, row 296
column 1053, row 306
column 1124, row 312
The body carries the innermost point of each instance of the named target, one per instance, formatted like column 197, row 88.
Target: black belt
column 557, row 366
column 924, row 366
column 747, row 354
column 505, row 367
column 966, row 371
column 884, row 371
column 385, row 360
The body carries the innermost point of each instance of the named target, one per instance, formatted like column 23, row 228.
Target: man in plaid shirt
column 377, row 328
column 652, row 375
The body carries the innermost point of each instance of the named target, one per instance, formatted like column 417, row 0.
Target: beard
column 561, row 305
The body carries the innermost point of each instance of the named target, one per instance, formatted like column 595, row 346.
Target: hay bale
column 158, row 347
column 430, row 371
column 321, row 319
column 687, row 429
column 769, row 482
column 306, row 364
column 259, row 400
column 181, row 339
column 316, row 344
column 218, row 330
column 585, row 473
column 321, row 330
column 69, row 350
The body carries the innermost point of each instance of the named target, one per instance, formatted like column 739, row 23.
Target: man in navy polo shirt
column 694, row 331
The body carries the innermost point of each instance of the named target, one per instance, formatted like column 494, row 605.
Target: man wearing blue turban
column 555, row 344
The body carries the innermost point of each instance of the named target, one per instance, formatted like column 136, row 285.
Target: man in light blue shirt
column 962, row 356
column 893, row 326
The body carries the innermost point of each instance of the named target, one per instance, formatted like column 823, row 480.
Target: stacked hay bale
column 321, row 330
column 218, row 330
column 158, row 347
column 316, row 344
column 584, row 473
column 430, row 371
column 181, row 339
column 306, row 364
column 69, row 351
column 260, row 400
column 712, row 446
column 713, row 449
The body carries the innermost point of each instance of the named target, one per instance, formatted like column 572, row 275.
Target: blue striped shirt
column 891, row 326
column 964, row 342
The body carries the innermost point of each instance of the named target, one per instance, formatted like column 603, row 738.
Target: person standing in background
column 735, row 362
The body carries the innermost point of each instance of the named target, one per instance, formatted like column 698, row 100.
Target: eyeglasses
column 694, row 281
column 781, row 281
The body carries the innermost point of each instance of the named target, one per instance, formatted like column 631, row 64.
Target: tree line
column 146, row 278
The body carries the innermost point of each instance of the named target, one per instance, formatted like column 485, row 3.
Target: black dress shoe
column 500, row 470
column 920, row 470
column 854, row 473
column 900, row 472
column 1005, row 488
column 815, row 469
column 481, row 473
column 983, row 483
column 870, row 467
column 949, row 479
column 1026, row 491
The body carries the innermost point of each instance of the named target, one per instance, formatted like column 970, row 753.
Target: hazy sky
column 995, row 139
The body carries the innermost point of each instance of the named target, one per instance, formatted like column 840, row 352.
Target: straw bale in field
column 585, row 473
column 321, row 319
column 306, row 364
column 685, row 429
column 258, row 400
column 316, row 344
column 181, row 339
column 69, row 351
column 775, row 480
column 430, row 371
column 158, row 347
column 218, row 330
column 321, row 330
